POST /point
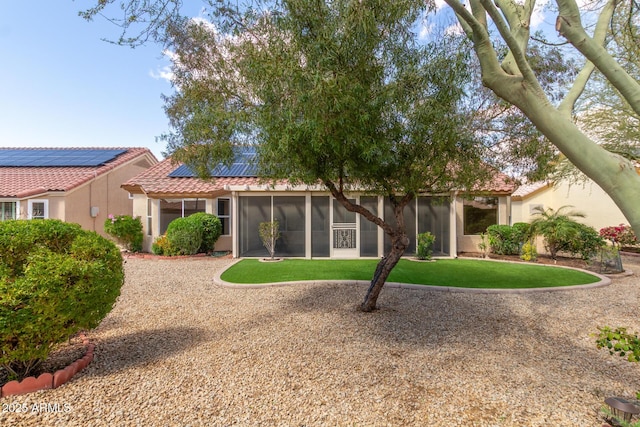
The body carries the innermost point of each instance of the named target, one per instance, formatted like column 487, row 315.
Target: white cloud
column 538, row 15
column 165, row 72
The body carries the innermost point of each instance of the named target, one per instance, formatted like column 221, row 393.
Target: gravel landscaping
column 180, row 350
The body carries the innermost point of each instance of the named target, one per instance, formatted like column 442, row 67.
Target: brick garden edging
column 48, row 381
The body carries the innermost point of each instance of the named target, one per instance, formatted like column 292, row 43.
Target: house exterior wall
column 457, row 241
column 469, row 243
column 104, row 194
column 149, row 211
column 302, row 206
column 588, row 198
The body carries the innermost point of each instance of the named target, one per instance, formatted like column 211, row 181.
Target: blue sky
column 62, row 86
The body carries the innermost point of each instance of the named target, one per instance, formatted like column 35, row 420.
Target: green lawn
column 461, row 273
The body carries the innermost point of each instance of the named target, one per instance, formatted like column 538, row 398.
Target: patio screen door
column 344, row 232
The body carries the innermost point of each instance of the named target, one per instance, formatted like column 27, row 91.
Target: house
column 80, row 185
column 585, row 197
column 312, row 223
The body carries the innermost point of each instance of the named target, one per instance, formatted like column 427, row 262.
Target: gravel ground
column 179, row 350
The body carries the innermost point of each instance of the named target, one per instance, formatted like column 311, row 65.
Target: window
column 433, row 216
column 289, row 211
column 149, row 216
column 369, row 230
column 224, row 215
column 479, row 213
column 171, row 209
column 38, row 209
column 7, row 210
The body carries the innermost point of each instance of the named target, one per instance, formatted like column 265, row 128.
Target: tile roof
column 500, row 183
column 157, row 181
column 530, row 188
column 20, row 182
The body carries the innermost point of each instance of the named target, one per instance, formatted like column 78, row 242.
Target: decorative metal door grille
column 344, row 238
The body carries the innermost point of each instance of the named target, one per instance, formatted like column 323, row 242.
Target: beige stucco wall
column 587, row 198
column 103, row 192
column 140, row 201
column 470, row 243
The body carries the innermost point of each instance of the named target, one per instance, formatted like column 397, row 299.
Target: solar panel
column 242, row 166
column 46, row 157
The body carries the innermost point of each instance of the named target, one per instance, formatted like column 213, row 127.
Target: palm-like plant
column 558, row 227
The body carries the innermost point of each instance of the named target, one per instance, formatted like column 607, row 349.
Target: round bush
column 55, row 280
column 184, row 236
column 127, row 231
column 506, row 239
column 424, row 248
column 211, row 230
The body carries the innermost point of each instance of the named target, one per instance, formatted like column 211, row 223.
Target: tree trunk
column 383, row 270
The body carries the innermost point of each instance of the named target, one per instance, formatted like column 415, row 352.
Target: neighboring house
column 600, row 211
column 80, row 185
column 312, row 223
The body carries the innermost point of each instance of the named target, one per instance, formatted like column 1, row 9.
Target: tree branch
column 568, row 103
column 513, row 44
column 570, row 26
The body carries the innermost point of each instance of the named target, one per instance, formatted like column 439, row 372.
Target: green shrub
column 424, row 247
column 211, row 230
column 161, row 246
column 587, row 242
column 185, row 236
column 50, row 290
column 507, row 240
column 18, row 237
column 558, row 227
column 529, row 251
column 126, row 230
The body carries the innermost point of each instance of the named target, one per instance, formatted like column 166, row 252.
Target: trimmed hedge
column 506, row 239
column 184, row 236
column 196, row 233
column 55, row 280
column 211, row 230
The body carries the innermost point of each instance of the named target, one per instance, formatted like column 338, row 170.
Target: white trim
column 45, row 202
column 16, row 212
column 227, row 217
column 308, row 233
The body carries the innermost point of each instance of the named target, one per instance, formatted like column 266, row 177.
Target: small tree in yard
column 269, row 234
column 557, row 227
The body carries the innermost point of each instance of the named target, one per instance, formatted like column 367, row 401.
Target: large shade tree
column 513, row 79
column 338, row 93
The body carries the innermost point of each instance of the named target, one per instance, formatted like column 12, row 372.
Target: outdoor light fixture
column 621, row 409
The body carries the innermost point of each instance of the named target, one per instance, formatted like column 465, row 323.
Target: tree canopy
column 338, row 93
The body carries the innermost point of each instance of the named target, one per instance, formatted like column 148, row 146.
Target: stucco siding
column 587, row 198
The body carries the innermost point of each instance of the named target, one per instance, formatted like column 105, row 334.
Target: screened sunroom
column 318, row 226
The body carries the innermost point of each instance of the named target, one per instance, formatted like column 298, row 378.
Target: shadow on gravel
column 143, row 347
column 528, row 331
